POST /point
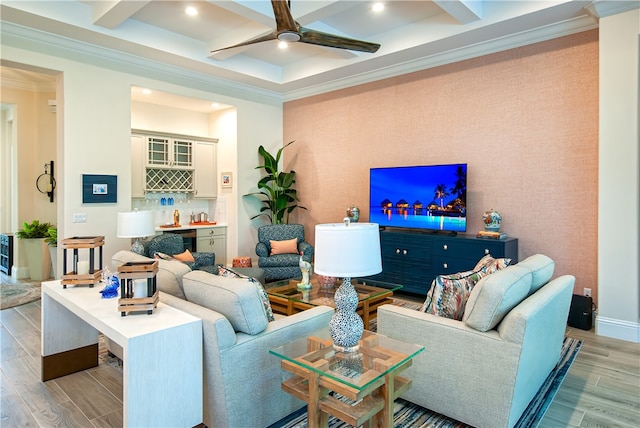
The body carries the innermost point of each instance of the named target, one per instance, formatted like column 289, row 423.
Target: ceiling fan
column 288, row 30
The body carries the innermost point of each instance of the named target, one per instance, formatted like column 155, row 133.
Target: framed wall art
column 99, row 189
column 226, row 179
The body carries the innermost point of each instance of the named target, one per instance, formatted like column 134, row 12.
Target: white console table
column 162, row 373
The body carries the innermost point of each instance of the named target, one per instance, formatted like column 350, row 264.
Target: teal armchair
column 281, row 266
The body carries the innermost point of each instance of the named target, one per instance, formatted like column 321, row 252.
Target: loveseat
column 484, row 369
column 241, row 379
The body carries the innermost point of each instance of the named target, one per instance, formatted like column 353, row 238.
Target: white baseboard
column 618, row 329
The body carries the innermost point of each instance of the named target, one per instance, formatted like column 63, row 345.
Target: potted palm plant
column 52, row 241
column 38, row 259
column 276, row 191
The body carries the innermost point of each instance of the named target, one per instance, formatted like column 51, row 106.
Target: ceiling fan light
column 288, row 36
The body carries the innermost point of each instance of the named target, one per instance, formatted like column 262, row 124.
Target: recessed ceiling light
column 191, row 11
column 283, row 45
column 377, row 7
column 146, row 91
column 215, row 105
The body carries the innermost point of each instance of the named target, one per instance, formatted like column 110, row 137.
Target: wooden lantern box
column 128, row 273
column 76, row 243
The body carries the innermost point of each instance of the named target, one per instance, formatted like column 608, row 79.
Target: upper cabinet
column 206, row 177
column 162, row 162
column 169, row 152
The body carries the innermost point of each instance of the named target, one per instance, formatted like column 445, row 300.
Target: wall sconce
column 45, row 183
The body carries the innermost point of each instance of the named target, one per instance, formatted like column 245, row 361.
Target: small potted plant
column 33, row 235
column 52, row 241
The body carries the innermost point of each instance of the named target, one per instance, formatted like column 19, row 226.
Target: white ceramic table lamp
column 136, row 224
column 347, row 250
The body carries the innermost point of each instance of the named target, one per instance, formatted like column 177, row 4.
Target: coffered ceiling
column 413, row 35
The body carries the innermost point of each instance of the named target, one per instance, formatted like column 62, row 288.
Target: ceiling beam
column 110, row 14
column 258, row 11
column 463, row 11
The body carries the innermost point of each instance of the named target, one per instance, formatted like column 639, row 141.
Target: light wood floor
column 602, row 388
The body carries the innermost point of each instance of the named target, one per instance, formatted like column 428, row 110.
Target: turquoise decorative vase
column 492, row 220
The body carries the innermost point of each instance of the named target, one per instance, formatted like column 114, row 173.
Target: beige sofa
column 241, row 379
column 485, row 369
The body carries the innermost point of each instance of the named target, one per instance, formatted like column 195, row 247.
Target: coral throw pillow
column 185, row 257
column 284, row 247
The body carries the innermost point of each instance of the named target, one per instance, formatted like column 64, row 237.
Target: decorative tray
column 169, row 226
column 202, row 223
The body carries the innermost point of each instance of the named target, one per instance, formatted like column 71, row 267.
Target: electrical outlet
column 79, row 217
column 587, row 292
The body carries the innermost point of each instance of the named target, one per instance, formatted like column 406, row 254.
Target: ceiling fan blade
column 325, row 39
column 284, row 20
column 270, row 36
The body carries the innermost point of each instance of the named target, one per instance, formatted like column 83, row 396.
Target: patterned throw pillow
column 223, row 271
column 490, row 265
column 449, row 293
column 163, row 256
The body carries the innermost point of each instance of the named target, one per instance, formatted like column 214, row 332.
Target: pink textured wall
column 524, row 120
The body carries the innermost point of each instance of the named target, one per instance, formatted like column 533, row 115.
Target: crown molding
column 536, row 35
column 51, row 44
column 604, row 8
column 22, row 37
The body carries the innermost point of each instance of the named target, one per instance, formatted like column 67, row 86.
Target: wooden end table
column 287, row 299
column 368, row 380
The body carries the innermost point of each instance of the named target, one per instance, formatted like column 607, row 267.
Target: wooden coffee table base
column 373, row 404
column 285, row 304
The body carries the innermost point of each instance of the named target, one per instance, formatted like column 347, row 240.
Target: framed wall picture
column 226, row 179
column 99, row 189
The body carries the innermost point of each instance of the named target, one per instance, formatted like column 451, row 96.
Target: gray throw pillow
column 235, row 298
column 495, row 295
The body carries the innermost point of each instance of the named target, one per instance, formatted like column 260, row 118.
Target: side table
column 162, row 376
column 368, row 380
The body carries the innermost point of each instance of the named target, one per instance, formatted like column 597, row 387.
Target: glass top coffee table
column 355, row 387
column 287, row 299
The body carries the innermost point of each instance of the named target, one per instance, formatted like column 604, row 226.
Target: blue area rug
column 407, row 414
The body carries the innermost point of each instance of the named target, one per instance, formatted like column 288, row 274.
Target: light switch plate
column 79, row 217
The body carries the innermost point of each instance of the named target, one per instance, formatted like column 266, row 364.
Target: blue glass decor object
column 111, row 289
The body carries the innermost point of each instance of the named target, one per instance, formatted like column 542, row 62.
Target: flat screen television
column 431, row 197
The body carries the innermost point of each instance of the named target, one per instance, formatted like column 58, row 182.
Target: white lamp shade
column 136, row 224
column 347, row 251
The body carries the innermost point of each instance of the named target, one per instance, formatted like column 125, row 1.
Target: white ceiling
column 414, row 35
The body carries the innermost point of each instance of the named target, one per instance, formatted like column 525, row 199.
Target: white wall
column 619, row 183
column 224, row 126
column 95, row 135
column 250, row 137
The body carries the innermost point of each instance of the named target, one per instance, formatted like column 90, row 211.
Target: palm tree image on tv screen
column 432, row 197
